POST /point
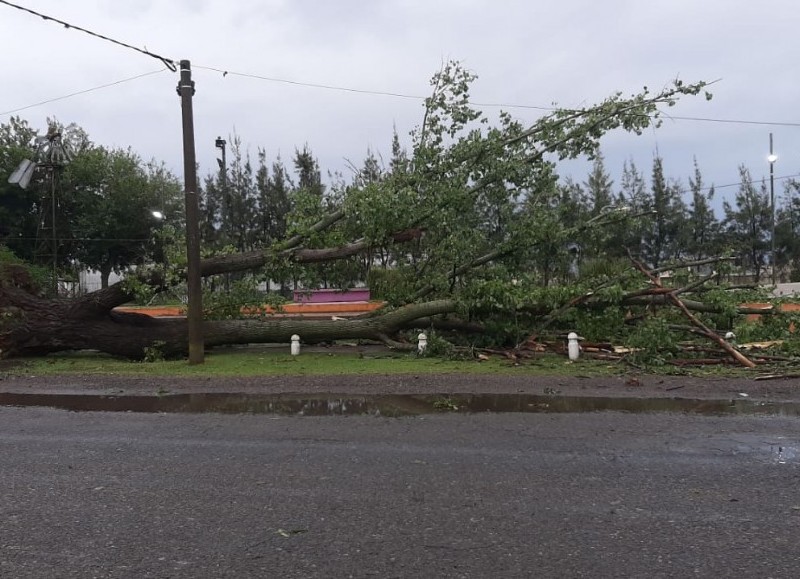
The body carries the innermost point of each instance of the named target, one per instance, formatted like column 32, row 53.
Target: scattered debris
column 290, row 533
column 778, row 376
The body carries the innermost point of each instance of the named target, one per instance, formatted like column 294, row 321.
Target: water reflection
column 390, row 405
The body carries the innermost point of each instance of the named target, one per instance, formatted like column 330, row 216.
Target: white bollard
column 295, row 345
column 573, row 347
column 422, row 344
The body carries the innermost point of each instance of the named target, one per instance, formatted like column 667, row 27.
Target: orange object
column 786, row 307
column 293, row 309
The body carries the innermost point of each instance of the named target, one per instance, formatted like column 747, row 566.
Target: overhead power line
column 364, row 91
column 737, row 184
column 310, row 84
column 339, row 88
column 80, row 92
column 171, row 65
column 735, row 121
column 168, row 62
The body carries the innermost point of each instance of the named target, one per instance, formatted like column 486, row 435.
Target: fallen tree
column 469, row 198
column 34, row 326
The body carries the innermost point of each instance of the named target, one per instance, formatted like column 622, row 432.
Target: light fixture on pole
column 772, row 158
column 220, row 144
column 23, row 174
column 51, row 156
column 223, row 178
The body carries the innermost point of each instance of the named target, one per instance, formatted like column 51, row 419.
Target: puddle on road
column 389, row 405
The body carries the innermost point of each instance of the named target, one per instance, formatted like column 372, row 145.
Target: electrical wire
column 364, row 91
column 225, row 73
column 171, row 65
column 80, row 92
column 168, row 62
column 737, row 184
column 736, row 121
column 310, row 84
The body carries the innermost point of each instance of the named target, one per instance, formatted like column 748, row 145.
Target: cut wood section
column 315, row 310
column 787, row 307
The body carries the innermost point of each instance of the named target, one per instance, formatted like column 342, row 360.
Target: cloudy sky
column 525, row 52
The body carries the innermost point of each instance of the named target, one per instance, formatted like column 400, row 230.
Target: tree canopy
column 470, row 217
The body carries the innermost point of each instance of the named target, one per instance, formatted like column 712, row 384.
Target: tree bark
column 34, row 326
column 251, row 260
column 105, row 273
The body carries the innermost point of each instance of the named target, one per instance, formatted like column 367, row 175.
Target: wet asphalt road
column 501, row 495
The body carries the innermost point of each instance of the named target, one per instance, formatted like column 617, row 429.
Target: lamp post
column 223, row 178
column 51, row 155
column 220, row 144
column 227, row 210
column 158, row 235
column 772, row 158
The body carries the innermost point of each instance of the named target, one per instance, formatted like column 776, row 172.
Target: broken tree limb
column 103, row 300
column 693, row 263
column 694, row 285
column 631, row 298
column 706, row 331
column 464, row 268
column 555, row 313
column 250, row 260
column 693, row 305
column 778, row 376
column 394, row 344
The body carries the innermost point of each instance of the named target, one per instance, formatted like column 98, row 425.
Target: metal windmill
column 50, row 157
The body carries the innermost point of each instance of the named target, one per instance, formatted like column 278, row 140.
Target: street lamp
column 226, row 227
column 220, row 144
column 223, row 175
column 52, row 155
column 772, row 158
column 159, row 256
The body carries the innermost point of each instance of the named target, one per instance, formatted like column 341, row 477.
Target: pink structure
column 331, row 295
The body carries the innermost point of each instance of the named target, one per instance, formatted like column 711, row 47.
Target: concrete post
column 573, row 347
column 423, row 344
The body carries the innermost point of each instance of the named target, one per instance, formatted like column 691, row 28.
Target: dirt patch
column 645, row 386
column 7, row 365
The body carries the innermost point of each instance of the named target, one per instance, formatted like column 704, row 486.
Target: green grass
column 260, row 363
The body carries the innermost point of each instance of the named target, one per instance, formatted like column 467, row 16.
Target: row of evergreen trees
column 677, row 222
column 251, row 206
column 247, row 206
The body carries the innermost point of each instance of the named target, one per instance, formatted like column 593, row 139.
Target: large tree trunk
column 34, row 326
column 105, row 273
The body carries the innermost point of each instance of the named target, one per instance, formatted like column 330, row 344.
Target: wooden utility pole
column 194, row 315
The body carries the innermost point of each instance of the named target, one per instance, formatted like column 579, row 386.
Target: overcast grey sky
column 526, row 52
